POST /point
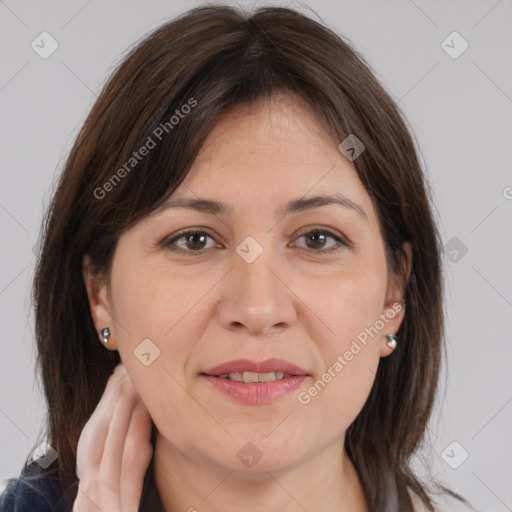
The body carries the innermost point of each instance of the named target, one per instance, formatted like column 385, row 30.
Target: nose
column 256, row 299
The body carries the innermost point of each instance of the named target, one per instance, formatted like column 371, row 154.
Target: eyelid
column 168, row 241
column 339, row 238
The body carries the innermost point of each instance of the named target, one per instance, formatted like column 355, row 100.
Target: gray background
column 460, row 110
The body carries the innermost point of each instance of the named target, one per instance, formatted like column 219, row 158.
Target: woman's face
column 261, row 281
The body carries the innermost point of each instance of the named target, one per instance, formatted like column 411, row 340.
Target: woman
column 238, row 296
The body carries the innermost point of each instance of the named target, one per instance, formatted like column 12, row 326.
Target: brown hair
column 218, row 56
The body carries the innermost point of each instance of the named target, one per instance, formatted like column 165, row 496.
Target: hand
column 114, row 450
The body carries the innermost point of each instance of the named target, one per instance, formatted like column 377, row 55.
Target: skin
column 114, row 450
column 298, row 300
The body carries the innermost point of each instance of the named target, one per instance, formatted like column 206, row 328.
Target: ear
column 97, row 293
column 394, row 308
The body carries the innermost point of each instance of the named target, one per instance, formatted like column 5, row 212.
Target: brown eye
column 189, row 241
column 317, row 240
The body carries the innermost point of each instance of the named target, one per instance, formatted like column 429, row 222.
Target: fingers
column 117, row 377
column 111, row 461
column 114, row 449
column 137, row 454
column 94, row 434
column 91, row 443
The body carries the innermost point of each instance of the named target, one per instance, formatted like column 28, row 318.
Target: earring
column 106, row 334
column 391, row 341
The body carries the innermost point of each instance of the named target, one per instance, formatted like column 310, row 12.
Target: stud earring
column 391, row 341
column 106, row 334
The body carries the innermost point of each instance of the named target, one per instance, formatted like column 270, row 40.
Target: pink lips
column 246, row 365
column 256, row 392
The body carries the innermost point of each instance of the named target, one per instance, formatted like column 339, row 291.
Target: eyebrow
column 297, row 205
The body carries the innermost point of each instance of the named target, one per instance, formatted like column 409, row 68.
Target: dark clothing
column 38, row 490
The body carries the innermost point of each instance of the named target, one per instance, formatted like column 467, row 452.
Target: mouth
column 278, row 367
column 252, row 382
column 254, row 376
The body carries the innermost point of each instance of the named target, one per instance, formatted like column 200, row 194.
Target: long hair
column 211, row 58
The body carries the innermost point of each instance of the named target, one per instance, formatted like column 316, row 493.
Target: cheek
column 343, row 304
column 338, row 394
column 174, row 413
column 348, row 394
column 349, row 304
column 158, row 303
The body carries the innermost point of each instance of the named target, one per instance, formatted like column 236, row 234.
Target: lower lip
column 256, row 392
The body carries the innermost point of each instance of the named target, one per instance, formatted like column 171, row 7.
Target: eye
column 193, row 241
column 316, row 240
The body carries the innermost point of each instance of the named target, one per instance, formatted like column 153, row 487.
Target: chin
column 254, row 455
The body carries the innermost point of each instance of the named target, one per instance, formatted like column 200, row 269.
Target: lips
column 252, row 382
column 247, row 365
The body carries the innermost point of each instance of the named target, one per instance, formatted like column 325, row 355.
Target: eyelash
column 170, row 242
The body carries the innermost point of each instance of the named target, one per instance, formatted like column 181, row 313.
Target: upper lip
column 247, row 365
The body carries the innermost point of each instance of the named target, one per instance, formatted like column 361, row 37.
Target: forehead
column 275, row 147
column 280, row 127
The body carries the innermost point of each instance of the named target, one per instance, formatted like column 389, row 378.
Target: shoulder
column 35, row 490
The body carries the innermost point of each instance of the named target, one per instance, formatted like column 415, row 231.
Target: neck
column 327, row 483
